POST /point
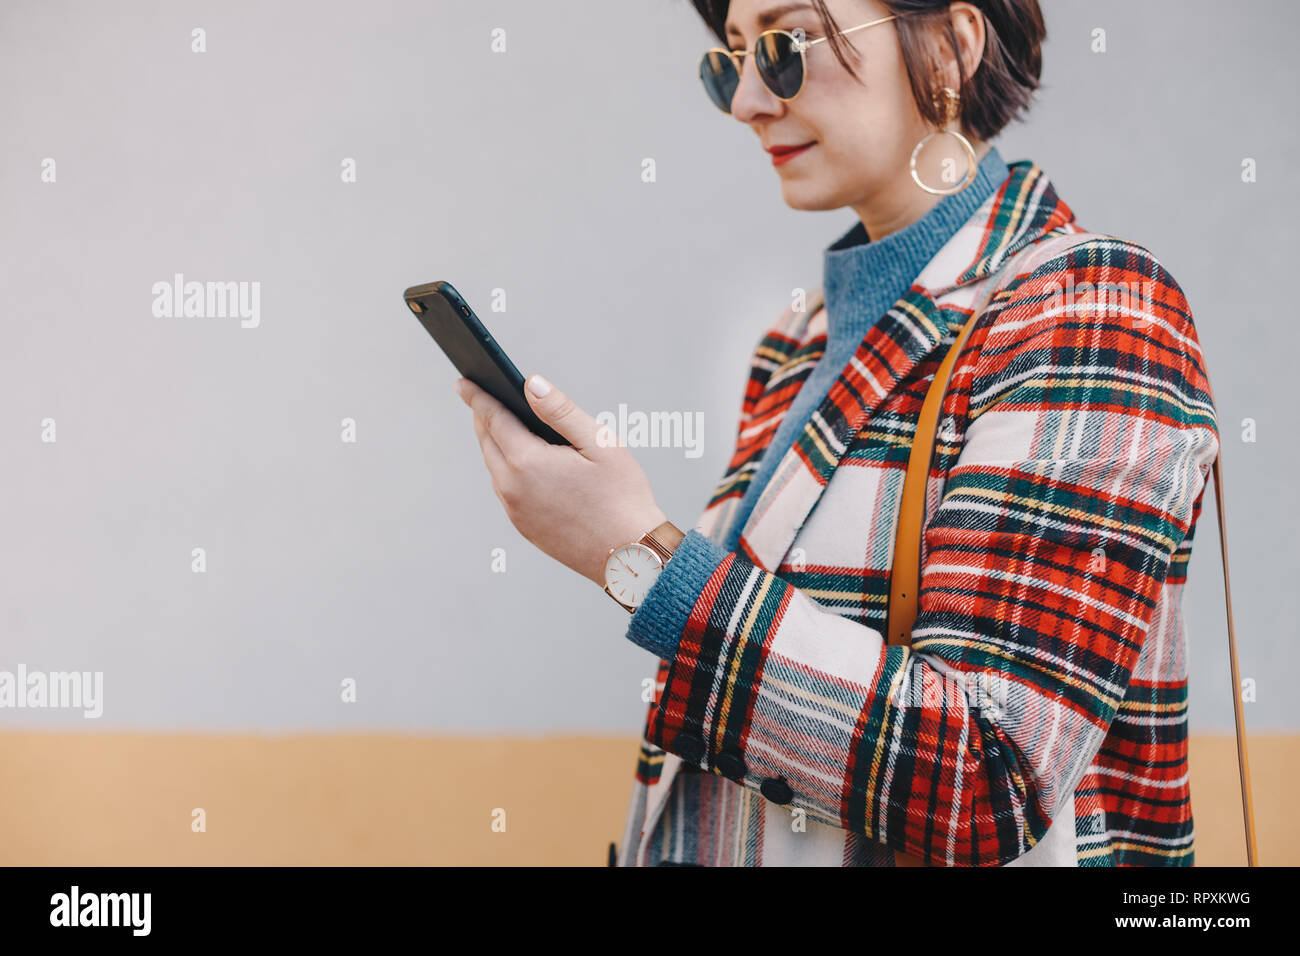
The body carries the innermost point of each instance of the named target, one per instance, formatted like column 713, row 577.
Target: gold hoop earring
column 950, row 113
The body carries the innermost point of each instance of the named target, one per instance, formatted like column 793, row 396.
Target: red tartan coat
column 1040, row 715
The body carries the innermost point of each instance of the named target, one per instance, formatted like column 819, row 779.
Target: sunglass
column 779, row 55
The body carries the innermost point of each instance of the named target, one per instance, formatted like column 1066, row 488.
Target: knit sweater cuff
column 658, row 623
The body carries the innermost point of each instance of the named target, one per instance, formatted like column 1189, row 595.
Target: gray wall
column 519, row 171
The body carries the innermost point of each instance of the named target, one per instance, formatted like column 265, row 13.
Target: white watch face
column 630, row 571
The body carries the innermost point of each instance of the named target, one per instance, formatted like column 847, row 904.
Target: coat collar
column 1023, row 210
column 862, row 277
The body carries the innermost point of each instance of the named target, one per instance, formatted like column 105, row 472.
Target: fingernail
column 539, row 386
column 460, row 387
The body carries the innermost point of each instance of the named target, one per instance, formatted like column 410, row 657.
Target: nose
column 753, row 100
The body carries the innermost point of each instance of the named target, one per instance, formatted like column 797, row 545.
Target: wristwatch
column 631, row 570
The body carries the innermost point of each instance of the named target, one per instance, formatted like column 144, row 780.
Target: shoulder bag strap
column 905, row 576
column 1243, row 764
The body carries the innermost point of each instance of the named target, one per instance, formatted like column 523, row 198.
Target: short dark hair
column 1000, row 89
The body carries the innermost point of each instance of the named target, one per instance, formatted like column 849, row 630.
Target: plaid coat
column 1040, row 715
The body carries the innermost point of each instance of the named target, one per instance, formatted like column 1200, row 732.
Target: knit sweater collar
column 863, row 278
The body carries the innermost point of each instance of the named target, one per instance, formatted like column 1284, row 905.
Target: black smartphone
column 446, row 316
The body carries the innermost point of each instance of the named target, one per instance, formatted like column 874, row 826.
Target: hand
column 574, row 503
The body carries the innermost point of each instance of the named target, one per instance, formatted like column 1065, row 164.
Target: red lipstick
column 783, row 154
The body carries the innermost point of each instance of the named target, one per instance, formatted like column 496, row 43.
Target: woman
column 1039, row 716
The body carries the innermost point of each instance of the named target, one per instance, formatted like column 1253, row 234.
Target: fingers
column 512, row 438
column 584, row 433
column 493, row 457
column 496, row 462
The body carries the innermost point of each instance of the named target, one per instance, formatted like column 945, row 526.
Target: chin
column 809, row 198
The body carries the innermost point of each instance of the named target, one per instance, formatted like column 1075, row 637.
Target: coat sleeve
column 1088, row 440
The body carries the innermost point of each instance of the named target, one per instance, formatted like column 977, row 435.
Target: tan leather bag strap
column 1243, row 764
column 905, row 575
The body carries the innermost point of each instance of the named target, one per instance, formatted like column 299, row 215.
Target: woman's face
column 862, row 132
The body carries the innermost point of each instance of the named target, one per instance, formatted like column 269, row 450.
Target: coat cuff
column 658, row 623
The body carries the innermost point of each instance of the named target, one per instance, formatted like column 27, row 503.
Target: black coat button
column 731, row 765
column 689, row 747
column 776, row 790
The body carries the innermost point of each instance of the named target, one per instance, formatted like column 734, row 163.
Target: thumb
column 562, row 413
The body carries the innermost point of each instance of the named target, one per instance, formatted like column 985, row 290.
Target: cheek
column 878, row 106
column 856, row 131
column 867, row 128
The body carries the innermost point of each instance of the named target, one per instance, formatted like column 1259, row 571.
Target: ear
column 971, row 31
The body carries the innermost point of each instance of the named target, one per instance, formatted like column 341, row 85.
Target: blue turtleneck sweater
column 862, row 279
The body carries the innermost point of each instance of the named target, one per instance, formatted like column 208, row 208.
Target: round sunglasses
column 779, row 56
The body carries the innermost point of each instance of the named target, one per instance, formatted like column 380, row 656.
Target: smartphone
column 446, row 316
